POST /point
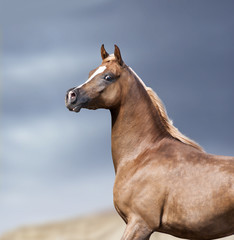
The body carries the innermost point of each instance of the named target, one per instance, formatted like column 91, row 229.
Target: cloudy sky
column 56, row 164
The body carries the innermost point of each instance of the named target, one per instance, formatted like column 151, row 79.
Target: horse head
column 103, row 87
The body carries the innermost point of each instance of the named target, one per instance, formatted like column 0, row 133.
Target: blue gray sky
column 56, row 164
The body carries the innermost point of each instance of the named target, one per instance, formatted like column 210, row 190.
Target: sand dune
column 103, row 226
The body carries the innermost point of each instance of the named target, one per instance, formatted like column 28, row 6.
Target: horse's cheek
column 111, row 96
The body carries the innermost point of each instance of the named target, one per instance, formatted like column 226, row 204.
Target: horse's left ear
column 118, row 55
column 104, row 53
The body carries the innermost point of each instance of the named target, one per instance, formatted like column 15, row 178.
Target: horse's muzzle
column 72, row 97
column 75, row 100
column 71, row 100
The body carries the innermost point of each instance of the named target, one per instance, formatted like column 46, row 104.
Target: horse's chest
column 122, row 193
column 139, row 196
column 123, row 190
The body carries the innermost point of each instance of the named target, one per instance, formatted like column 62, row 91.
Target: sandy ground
column 102, row 226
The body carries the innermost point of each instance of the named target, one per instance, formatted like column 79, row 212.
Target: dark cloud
column 182, row 49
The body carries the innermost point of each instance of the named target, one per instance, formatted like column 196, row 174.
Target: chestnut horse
column 164, row 181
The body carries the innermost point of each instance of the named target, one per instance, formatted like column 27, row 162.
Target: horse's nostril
column 72, row 96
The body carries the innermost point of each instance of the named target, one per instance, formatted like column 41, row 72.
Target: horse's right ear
column 104, row 53
column 118, row 55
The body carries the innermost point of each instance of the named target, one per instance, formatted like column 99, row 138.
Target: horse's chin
column 92, row 107
column 76, row 109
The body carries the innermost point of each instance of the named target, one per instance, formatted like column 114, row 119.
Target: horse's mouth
column 75, row 103
column 76, row 109
column 73, row 108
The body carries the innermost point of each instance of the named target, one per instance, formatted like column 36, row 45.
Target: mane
column 166, row 122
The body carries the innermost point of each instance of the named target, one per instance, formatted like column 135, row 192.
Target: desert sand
column 101, row 226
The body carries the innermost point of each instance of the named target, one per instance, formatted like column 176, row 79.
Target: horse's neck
column 135, row 126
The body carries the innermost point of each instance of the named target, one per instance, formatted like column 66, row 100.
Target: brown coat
column 164, row 181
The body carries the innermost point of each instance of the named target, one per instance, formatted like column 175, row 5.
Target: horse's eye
column 108, row 78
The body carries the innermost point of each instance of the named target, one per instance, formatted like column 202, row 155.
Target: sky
column 57, row 164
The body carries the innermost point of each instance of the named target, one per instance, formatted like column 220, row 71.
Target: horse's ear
column 118, row 55
column 104, row 53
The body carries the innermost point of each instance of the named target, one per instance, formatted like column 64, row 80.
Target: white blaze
column 99, row 70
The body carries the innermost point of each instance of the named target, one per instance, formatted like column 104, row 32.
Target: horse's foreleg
column 136, row 230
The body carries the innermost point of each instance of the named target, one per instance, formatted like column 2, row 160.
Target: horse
column 164, row 181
